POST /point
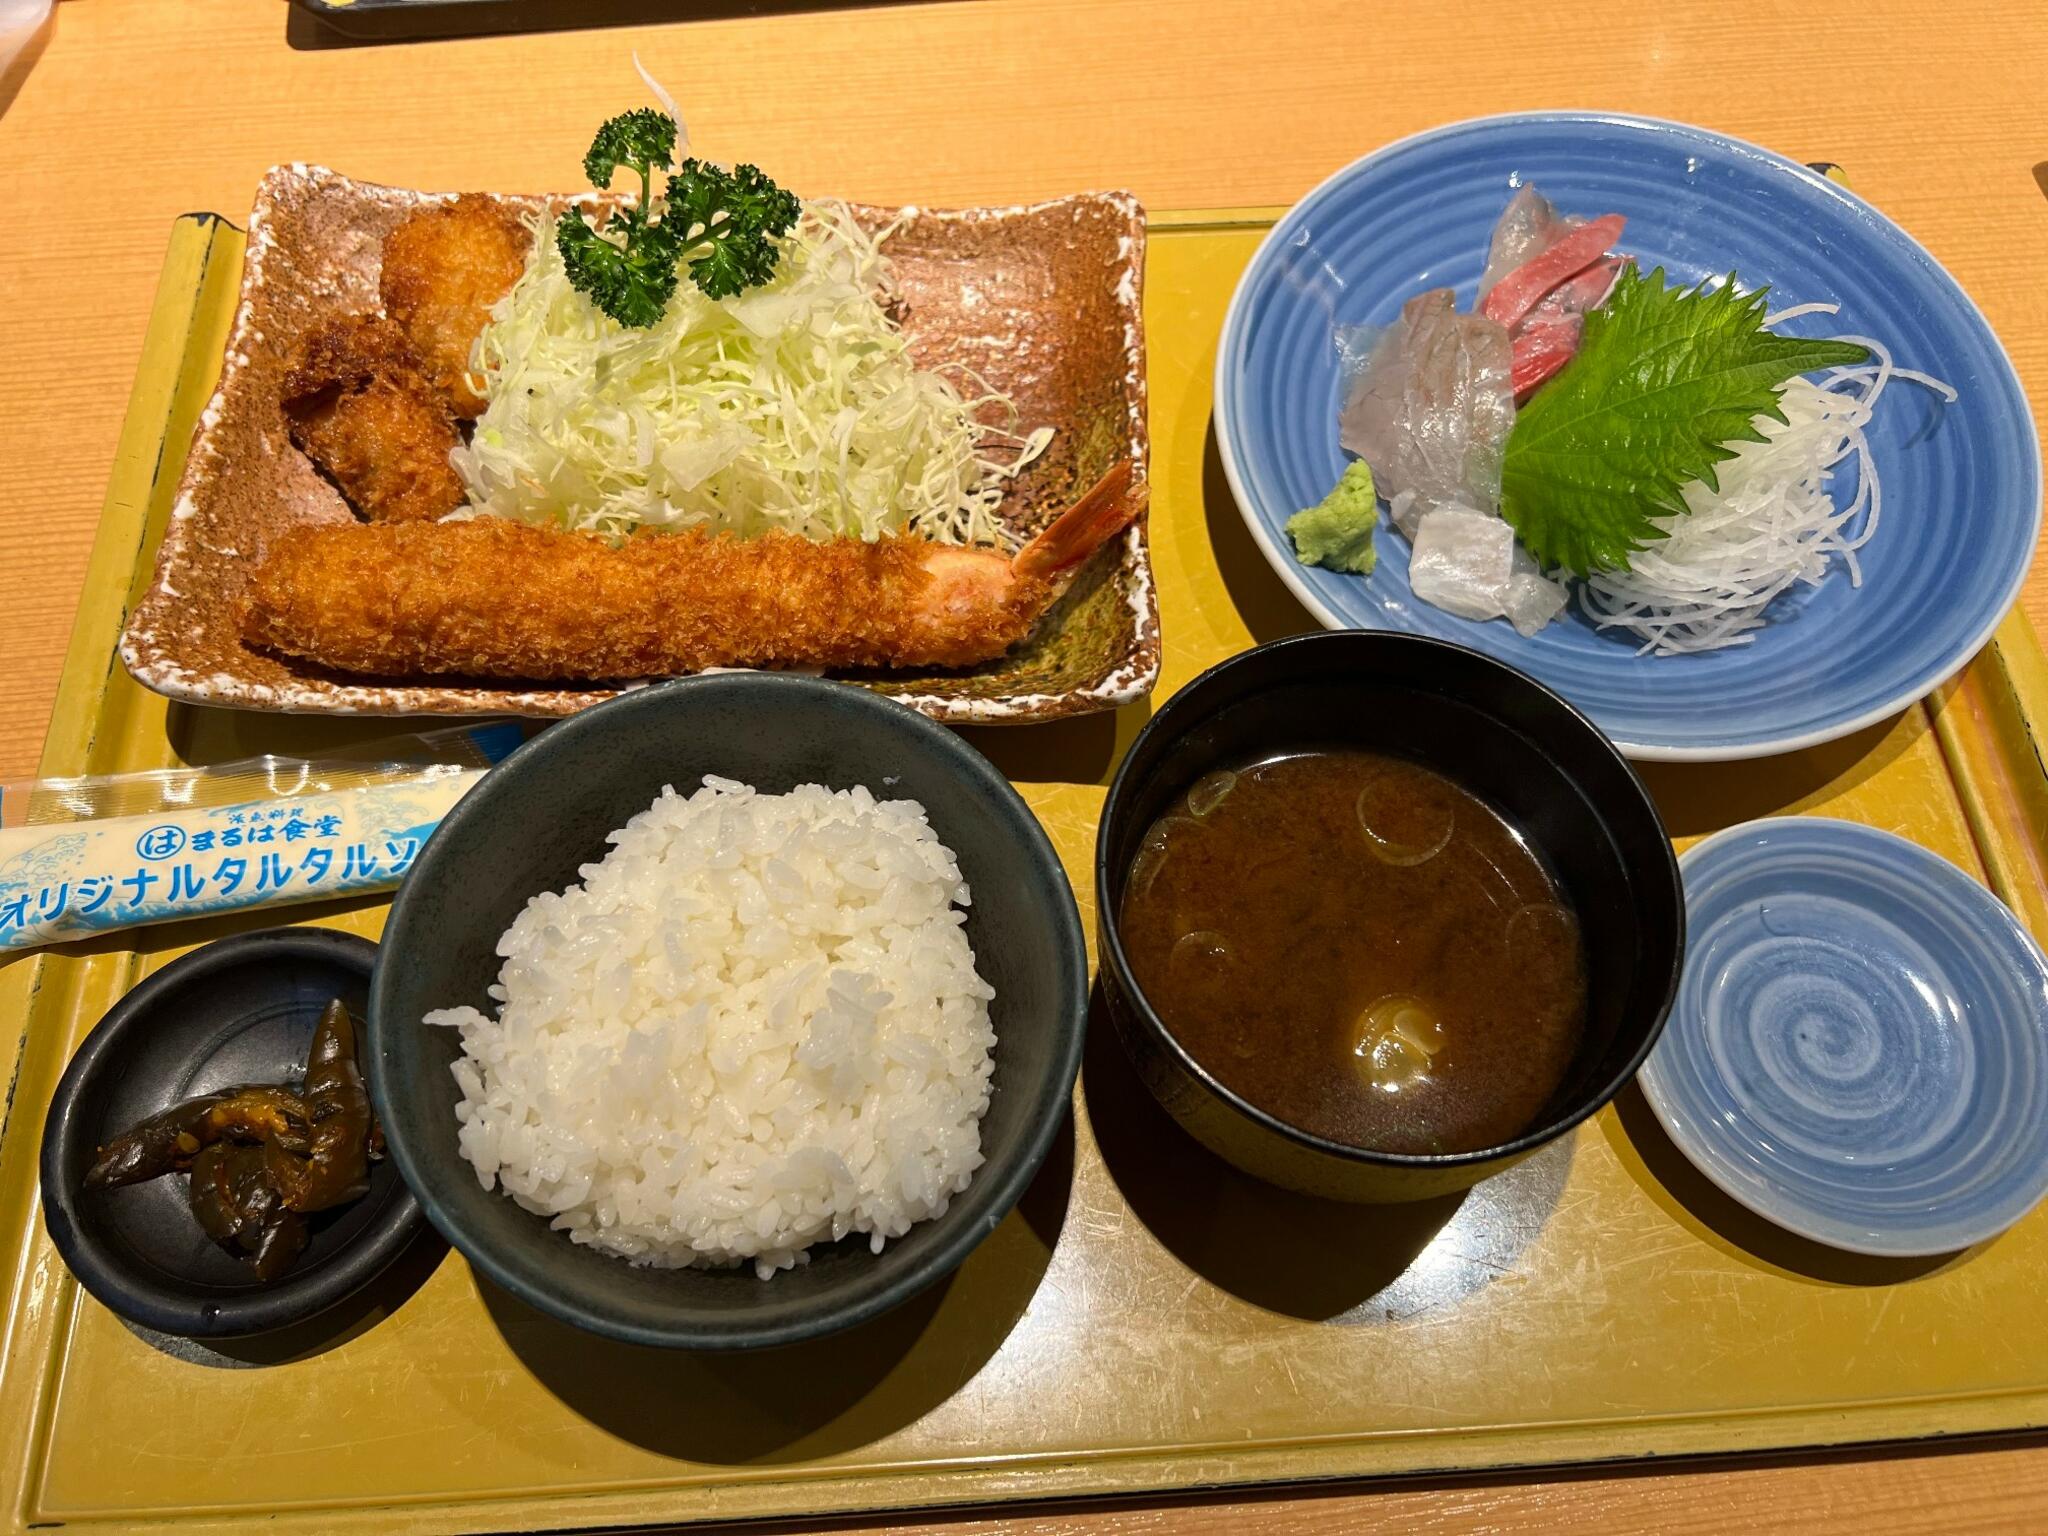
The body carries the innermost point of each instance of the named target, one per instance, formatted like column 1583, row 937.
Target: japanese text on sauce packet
column 65, row 880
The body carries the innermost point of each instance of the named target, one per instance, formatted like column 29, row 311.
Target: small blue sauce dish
column 1859, row 1052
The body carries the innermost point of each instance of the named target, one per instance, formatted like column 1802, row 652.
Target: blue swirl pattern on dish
column 1859, row 1051
column 1962, row 486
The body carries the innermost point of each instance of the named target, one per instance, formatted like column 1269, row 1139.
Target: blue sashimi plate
column 1859, row 1051
column 1961, row 483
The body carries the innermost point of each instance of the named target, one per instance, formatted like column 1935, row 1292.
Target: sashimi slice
column 1432, row 407
column 1540, row 350
column 1527, row 227
column 1467, row 562
column 1520, row 291
column 1579, row 294
column 1547, row 337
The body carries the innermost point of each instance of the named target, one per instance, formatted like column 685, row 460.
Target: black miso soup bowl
column 537, row 817
column 1500, row 734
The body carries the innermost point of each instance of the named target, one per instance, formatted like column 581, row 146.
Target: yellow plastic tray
column 1146, row 1320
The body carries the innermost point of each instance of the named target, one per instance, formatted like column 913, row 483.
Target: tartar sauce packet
column 332, row 830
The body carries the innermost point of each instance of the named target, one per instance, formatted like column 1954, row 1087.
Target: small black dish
column 545, row 812
column 1497, row 732
column 241, row 1010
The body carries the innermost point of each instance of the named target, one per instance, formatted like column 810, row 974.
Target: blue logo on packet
column 161, row 842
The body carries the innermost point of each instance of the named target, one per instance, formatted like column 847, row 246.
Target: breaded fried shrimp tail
column 491, row 598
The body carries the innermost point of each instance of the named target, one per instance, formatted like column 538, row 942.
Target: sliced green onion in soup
column 1209, row 792
column 1403, row 837
column 1153, row 851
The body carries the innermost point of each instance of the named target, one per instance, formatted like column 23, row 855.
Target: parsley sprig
column 720, row 225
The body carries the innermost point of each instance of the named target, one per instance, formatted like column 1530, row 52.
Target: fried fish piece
column 358, row 406
column 444, row 267
column 493, row 598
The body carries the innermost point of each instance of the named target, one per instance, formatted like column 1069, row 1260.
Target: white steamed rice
column 756, row 1025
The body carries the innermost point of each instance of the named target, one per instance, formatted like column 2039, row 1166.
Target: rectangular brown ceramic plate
column 1044, row 302
column 1146, row 1319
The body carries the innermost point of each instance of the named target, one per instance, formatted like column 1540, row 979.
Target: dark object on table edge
column 546, row 810
column 319, row 23
column 239, row 1010
column 396, row 20
column 1500, row 734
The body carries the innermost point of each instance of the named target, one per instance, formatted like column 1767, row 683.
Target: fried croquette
column 444, row 267
column 358, row 406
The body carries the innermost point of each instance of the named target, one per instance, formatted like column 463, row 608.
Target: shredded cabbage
column 793, row 406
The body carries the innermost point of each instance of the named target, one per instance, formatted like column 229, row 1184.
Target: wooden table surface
column 126, row 113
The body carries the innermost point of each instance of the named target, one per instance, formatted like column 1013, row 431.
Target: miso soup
column 1361, row 948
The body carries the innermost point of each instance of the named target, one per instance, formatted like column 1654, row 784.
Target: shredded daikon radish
column 1771, row 525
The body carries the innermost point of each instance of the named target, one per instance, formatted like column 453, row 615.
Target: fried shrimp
column 444, row 268
column 357, row 405
column 492, row 598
